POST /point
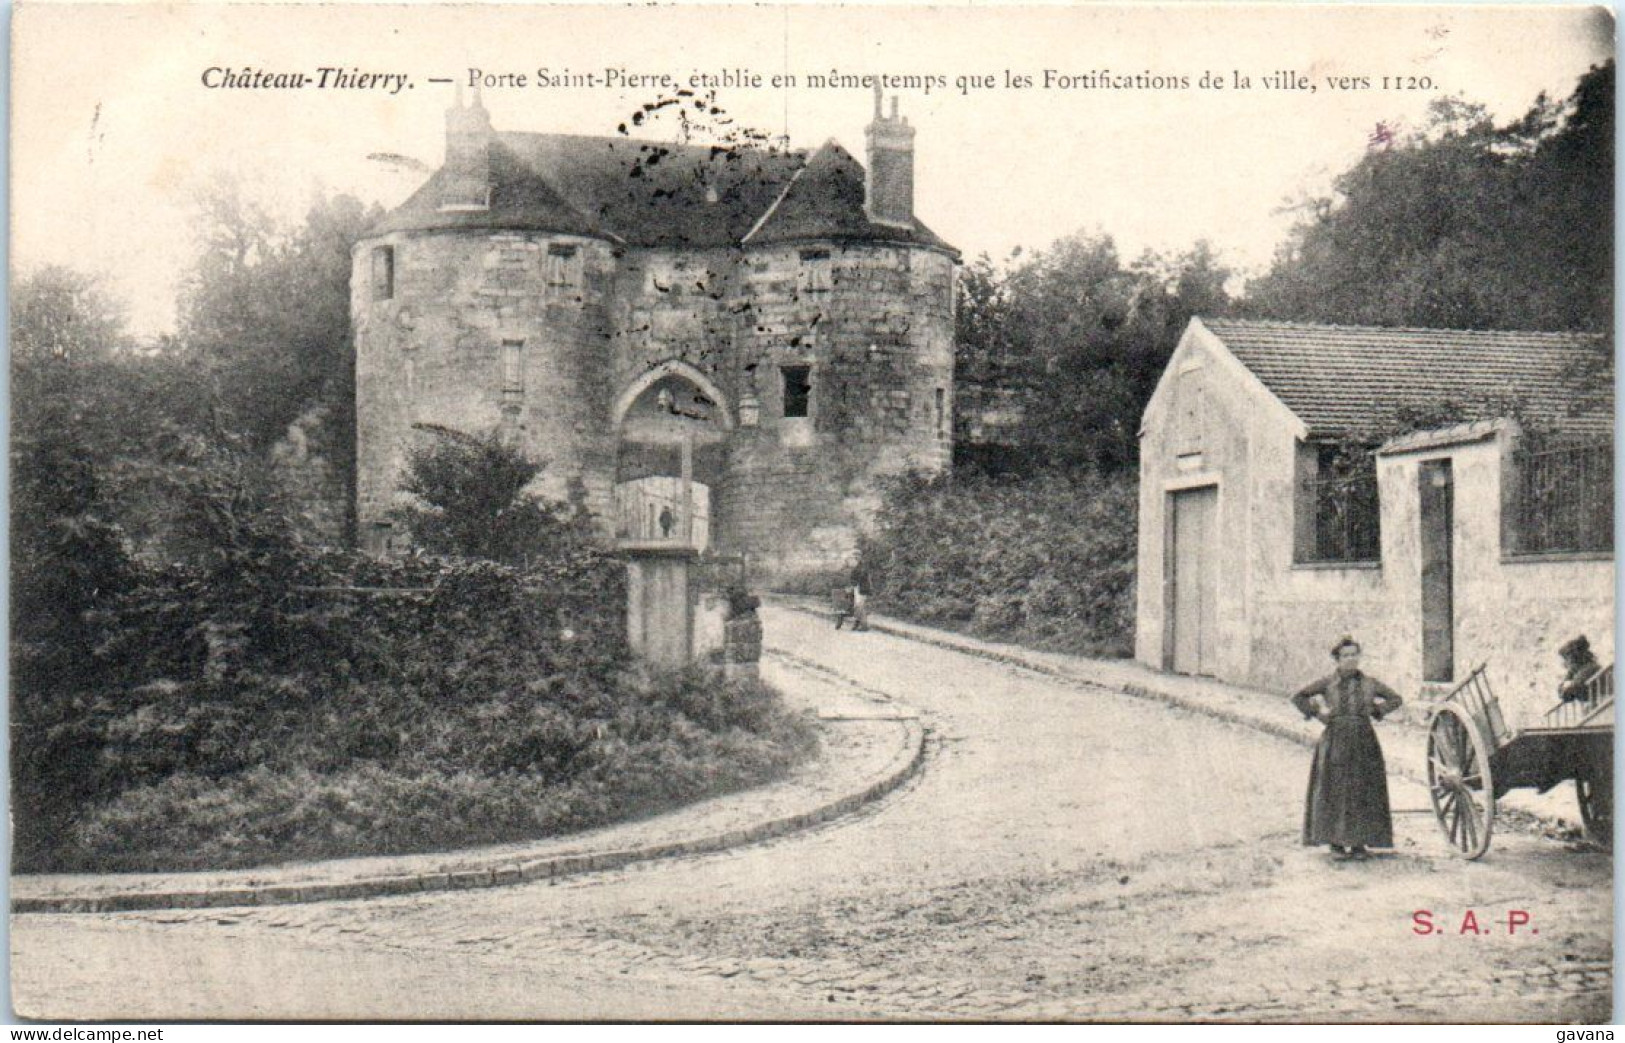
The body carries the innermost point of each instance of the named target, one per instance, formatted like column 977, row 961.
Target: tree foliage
column 1047, row 560
column 473, row 500
column 1080, row 338
column 1464, row 225
column 266, row 310
column 67, row 554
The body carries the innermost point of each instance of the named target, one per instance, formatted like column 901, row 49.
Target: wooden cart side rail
column 1598, row 699
column 1476, row 698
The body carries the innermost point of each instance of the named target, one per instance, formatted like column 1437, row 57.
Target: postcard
column 812, row 513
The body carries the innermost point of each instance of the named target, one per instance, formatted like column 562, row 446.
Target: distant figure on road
column 853, row 600
column 1579, row 667
column 858, row 581
column 1347, row 805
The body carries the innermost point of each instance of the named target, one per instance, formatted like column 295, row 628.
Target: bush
column 1046, row 560
column 356, row 706
column 471, row 499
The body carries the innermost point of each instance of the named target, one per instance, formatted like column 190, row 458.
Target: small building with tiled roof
column 1445, row 496
column 769, row 329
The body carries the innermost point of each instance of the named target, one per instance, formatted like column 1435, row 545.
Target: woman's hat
column 1345, row 642
column 1575, row 648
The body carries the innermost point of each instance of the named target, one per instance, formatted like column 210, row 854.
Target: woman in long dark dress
column 1347, row 805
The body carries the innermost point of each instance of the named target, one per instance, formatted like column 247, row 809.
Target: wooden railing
column 1475, row 696
column 1597, row 695
column 1348, row 518
column 1565, row 499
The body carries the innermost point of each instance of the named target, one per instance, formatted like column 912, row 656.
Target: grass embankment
column 289, row 711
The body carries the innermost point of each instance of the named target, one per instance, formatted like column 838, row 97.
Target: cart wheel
column 1596, row 793
column 1459, row 781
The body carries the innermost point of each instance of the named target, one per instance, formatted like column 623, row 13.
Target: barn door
column 1194, row 589
column 1437, row 501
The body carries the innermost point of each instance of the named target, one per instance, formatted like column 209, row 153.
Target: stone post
column 742, row 647
column 659, row 608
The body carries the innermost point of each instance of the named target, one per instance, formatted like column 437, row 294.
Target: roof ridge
column 1297, row 324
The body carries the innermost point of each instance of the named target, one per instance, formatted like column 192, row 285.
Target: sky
column 114, row 128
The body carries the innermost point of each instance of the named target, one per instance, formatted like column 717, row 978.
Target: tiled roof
column 1440, row 437
column 520, row 200
column 825, row 201
column 646, row 193
column 1347, row 378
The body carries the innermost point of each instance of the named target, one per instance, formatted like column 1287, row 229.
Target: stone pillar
column 659, row 609
column 742, row 647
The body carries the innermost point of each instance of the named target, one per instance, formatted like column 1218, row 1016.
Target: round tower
column 480, row 306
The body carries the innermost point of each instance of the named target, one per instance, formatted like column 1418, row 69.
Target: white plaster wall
column 1200, row 429
column 1300, row 611
column 1510, row 613
column 1278, row 620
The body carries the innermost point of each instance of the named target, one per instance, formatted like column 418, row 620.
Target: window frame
column 383, row 272
column 805, row 395
column 1362, row 548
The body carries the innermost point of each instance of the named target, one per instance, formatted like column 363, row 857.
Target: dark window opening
column 1563, row 498
column 941, row 411
column 1339, row 513
column 383, row 273
column 797, row 391
column 815, row 275
column 562, row 268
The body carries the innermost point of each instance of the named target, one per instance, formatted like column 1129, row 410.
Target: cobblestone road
column 1066, row 853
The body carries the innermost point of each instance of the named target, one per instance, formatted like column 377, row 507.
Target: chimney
column 888, row 191
column 467, row 173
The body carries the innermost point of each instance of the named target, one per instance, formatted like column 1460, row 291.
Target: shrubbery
column 339, row 705
column 1045, row 560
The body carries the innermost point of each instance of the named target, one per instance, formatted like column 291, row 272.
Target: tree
column 266, row 311
column 473, row 501
column 58, row 314
column 1464, row 225
column 1080, row 339
column 67, row 556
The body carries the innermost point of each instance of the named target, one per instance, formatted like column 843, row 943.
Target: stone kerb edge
column 910, row 758
column 1304, row 734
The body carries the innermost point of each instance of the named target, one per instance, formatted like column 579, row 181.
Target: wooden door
column 1437, row 509
column 1194, row 561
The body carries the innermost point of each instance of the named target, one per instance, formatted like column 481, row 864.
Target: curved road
column 1066, row 853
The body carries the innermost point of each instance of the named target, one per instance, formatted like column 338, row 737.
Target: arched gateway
column 670, row 428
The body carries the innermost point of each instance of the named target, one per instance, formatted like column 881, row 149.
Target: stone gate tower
column 772, row 331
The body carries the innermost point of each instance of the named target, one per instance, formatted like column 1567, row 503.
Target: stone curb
column 908, row 761
column 1304, row 735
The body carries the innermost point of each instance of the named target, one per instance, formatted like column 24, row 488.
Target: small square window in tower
column 797, row 391
column 383, row 273
column 563, row 266
column 814, row 273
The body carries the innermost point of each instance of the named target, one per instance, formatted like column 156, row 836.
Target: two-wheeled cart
column 1474, row 759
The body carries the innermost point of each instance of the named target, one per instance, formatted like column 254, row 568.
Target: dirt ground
column 1066, row 853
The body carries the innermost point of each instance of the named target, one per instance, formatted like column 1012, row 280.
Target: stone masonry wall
column 874, row 323
column 309, row 477
column 433, row 354
column 875, row 326
column 1511, row 612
